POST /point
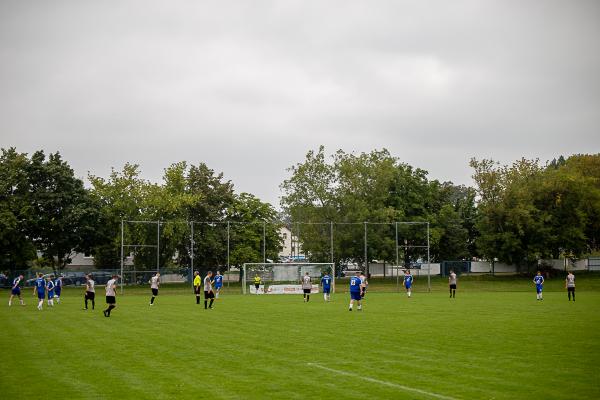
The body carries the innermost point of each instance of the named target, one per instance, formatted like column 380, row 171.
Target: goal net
column 284, row 278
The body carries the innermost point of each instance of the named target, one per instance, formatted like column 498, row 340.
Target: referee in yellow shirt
column 197, row 283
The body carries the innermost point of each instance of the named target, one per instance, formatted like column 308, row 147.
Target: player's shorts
column 196, row 289
column 571, row 289
column 154, row 292
column 16, row 291
column 539, row 288
column 408, row 285
column 111, row 300
column 41, row 295
column 90, row 295
column 50, row 294
column 257, row 286
column 57, row 291
column 306, row 291
column 326, row 290
column 218, row 287
column 453, row 286
column 209, row 295
column 355, row 296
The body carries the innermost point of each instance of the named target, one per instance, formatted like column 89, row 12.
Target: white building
column 291, row 247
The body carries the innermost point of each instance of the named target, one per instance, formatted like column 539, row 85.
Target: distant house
column 292, row 248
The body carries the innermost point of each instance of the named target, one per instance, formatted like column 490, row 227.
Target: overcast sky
column 250, row 86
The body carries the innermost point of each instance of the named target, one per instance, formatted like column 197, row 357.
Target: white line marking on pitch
column 386, row 383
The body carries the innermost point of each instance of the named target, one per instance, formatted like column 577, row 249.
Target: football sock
column 152, row 300
column 211, row 303
column 307, row 298
column 351, row 305
column 205, row 304
column 40, row 304
column 10, row 301
column 454, row 293
column 573, row 296
column 86, row 303
column 197, row 299
column 93, row 304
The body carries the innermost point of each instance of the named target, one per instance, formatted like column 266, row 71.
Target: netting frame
column 297, row 265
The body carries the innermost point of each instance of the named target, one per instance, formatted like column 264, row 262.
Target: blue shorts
column 326, row 289
column 50, row 294
column 41, row 295
column 16, row 291
column 539, row 288
column 218, row 287
column 57, row 291
column 355, row 295
column 408, row 285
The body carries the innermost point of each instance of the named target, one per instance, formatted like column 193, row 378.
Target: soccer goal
column 284, row 278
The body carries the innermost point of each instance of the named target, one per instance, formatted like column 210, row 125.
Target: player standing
column 111, row 295
column 218, row 283
column 40, row 288
column 154, row 284
column 408, row 281
column 208, row 291
column 326, row 283
column 355, row 291
column 50, row 289
column 16, row 290
column 570, row 285
column 539, row 285
column 197, row 283
column 452, row 283
column 90, row 291
column 306, row 287
column 257, row 282
column 58, row 283
column 365, row 284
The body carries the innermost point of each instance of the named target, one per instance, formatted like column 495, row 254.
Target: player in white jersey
column 306, row 287
column 154, row 284
column 452, row 283
column 16, row 290
column 111, row 295
column 208, row 290
column 90, row 291
column 570, row 285
column 364, row 285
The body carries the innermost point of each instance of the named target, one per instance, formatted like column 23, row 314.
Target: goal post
column 284, row 278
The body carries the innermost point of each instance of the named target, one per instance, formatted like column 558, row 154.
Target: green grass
column 485, row 344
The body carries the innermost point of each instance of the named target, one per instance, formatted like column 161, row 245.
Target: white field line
column 380, row 382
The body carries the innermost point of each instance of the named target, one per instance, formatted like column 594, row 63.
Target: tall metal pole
column 192, row 253
column 228, row 267
column 428, row 262
column 122, row 248
column 366, row 252
column 264, row 241
column 157, row 246
column 331, row 251
column 397, row 260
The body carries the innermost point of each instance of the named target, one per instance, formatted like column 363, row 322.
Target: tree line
column 515, row 214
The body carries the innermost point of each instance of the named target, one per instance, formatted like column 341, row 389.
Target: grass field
column 485, row 344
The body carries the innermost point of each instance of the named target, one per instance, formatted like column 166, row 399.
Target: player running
column 452, row 283
column 408, row 281
column 326, row 283
column 50, row 290
column 570, row 285
column 365, row 284
column 218, row 284
column 257, row 282
column 58, row 284
column 306, row 287
column 154, row 284
column 208, row 290
column 197, row 283
column 356, row 291
column 539, row 285
column 40, row 288
column 90, row 291
column 111, row 295
column 16, row 290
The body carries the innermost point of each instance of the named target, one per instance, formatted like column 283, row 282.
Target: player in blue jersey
column 58, row 283
column 539, row 285
column 408, row 281
column 40, row 289
column 356, row 291
column 16, row 290
column 326, row 283
column 50, row 290
column 218, row 284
